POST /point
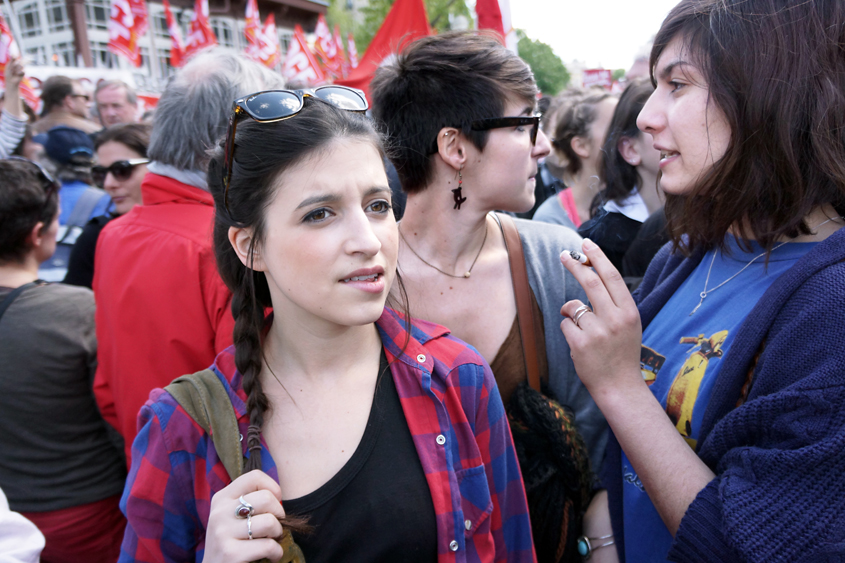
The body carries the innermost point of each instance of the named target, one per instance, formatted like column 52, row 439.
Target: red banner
column 9, row 50
column 352, row 50
column 326, row 48
column 405, row 22
column 301, row 67
column 341, row 56
column 253, row 23
column 177, row 48
column 139, row 13
column 598, row 77
column 201, row 35
column 122, row 37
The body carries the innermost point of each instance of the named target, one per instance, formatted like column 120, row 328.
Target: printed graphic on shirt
column 650, row 364
column 680, row 401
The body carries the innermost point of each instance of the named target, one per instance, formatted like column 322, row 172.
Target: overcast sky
column 602, row 33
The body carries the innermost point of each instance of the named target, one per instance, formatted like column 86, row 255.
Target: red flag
column 405, row 22
column 253, row 23
column 341, row 56
column 326, row 48
column 139, row 13
column 266, row 48
column 8, row 51
column 177, row 49
column 495, row 15
column 353, row 51
column 122, row 37
column 271, row 41
column 201, row 35
column 301, row 67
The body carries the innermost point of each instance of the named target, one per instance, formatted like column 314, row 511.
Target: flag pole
column 15, row 25
column 151, row 29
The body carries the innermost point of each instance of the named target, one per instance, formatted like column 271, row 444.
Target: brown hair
column 618, row 176
column 53, row 92
column 574, row 121
column 447, row 80
column 135, row 136
column 777, row 73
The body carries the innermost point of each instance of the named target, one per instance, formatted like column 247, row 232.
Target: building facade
column 74, row 33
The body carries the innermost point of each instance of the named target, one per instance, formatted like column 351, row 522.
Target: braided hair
column 262, row 152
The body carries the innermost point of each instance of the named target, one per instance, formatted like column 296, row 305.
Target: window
column 97, row 14
column 57, row 19
column 100, row 55
column 30, row 20
column 285, row 38
column 38, row 55
column 223, row 31
column 160, row 25
column 63, row 54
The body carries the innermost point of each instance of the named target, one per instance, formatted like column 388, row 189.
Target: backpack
column 205, row 399
column 55, row 268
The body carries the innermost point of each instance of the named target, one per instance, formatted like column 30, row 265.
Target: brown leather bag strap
column 522, row 293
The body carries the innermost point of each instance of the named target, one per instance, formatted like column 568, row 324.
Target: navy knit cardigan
column 779, row 457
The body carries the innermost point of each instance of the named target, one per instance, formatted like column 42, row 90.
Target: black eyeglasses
column 121, row 170
column 48, row 183
column 501, row 122
column 276, row 105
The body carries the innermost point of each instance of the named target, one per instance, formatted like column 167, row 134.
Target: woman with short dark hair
column 726, row 390
column 58, row 465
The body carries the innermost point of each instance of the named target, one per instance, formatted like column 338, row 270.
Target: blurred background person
column 70, row 157
column 65, row 102
column 628, row 169
column 162, row 309
column 13, row 123
column 579, row 135
column 116, row 102
column 121, row 167
column 59, row 467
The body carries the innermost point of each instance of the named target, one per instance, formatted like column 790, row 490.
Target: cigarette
column 575, row 255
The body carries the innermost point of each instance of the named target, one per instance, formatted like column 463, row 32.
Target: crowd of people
column 600, row 327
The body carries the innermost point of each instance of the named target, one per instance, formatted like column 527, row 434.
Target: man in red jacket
column 162, row 309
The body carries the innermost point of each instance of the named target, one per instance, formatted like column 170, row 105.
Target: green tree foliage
column 619, row 73
column 549, row 71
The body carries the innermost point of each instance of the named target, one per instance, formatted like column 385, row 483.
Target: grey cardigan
column 553, row 286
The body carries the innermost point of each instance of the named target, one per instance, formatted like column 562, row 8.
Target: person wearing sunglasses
column 58, row 466
column 369, row 436
column 460, row 110
column 122, row 157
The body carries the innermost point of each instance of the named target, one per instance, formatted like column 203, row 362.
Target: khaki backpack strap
column 205, row 399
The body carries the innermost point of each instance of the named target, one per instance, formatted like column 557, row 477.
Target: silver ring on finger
column 244, row 509
column 249, row 526
column 580, row 312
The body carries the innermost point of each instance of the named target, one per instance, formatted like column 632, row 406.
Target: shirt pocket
column 476, row 503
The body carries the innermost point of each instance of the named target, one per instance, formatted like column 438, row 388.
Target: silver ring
column 580, row 312
column 249, row 525
column 244, row 509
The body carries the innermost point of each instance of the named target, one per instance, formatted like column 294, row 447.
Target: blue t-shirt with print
column 681, row 357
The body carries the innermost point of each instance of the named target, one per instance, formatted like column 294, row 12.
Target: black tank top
column 378, row 507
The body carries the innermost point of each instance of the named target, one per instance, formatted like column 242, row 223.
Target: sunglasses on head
column 276, row 105
column 121, row 170
column 501, row 122
column 48, row 183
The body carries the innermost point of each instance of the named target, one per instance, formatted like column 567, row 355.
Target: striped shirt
column 457, row 421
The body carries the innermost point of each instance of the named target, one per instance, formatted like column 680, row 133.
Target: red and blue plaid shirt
column 457, row 421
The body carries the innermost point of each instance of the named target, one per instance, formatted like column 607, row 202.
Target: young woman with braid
column 388, row 440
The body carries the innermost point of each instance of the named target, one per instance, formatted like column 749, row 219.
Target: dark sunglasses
column 48, row 183
column 501, row 122
column 121, row 170
column 276, row 105
column 85, row 97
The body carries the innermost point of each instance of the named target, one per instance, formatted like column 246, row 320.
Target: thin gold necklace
column 706, row 291
column 430, row 265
